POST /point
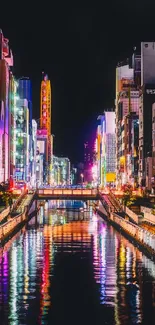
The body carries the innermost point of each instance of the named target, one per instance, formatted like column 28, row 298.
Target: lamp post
column 82, row 178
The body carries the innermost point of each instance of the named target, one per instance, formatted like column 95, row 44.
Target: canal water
column 68, row 266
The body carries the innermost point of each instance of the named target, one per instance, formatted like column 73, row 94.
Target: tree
column 7, row 198
column 128, row 199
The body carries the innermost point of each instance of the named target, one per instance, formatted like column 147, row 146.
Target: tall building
column 33, row 154
column 127, row 114
column 73, row 175
column 56, row 171
column 100, row 167
column 61, row 169
column 12, row 127
column 147, row 99
column 39, row 166
column 89, row 154
column 106, row 148
column 45, row 122
column 89, row 160
column 42, row 139
column 25, row 92
column 152, row 183
column 6, row 61
column 22, row 141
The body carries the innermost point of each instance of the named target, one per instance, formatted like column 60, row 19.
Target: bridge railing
column 83, row 192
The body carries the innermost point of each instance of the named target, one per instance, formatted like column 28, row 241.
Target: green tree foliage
column 128, row 199
column 7, row 198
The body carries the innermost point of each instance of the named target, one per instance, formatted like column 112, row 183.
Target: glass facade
column 22, row 140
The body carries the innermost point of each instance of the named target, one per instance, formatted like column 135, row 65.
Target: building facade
column 89, row 161
column 42, row 143
column 106, row 149
column 127, row 117
column 61, row 171
column 25, row 92
column 22, row 141
column 6, row 61
column 147, row 99
column 12, row 128
column 33, row 154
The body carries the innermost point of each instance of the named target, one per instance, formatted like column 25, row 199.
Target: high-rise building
column 22, row 141
column 127, row 113
column 153, row 148
column 33, row 154
column 39, row 167
column 100, row 167
column 89, row 153
column 73, row 175
column 147, row 99
column 6, row 61
column 89, row 160
column 42, row 139
column 106, row 149
column 25, row 92
column 12, row 127
column 61, row 170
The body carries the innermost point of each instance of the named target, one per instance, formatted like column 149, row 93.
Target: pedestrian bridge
column 66, row 194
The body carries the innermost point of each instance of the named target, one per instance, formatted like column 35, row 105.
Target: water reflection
column 69, row 267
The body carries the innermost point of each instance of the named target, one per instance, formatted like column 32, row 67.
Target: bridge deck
column 70, row 194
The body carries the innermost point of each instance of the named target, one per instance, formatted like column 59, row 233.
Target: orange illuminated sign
column 57, row 192
column 67, row 192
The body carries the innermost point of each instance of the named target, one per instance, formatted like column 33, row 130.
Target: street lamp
column 82, row 178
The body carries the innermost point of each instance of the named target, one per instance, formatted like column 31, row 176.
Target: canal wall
column 15, row 222
column 133, row 216
column 137, row 235
column 4, row 213
column 10, row 226
column 149, row 216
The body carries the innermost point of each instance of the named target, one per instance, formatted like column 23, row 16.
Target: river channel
column 68, row 266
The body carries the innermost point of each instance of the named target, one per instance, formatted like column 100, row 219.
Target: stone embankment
column 141, row 237
column 17, row 217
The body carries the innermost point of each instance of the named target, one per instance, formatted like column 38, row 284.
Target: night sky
column 78, row 47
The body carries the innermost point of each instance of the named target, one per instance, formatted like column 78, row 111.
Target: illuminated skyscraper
column 127, row 113
column 25, row 92
column 106, row 149
column 22, row 141
column 6, row 60
column 89, row 160
column 12, row 127
column 61, row 170
column 33, row 154
column 45, row 122
column 147, row 99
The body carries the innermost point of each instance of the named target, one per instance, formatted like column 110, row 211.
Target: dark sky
column 78, row 45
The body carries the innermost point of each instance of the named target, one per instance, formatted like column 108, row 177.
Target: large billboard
column 45, row 105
